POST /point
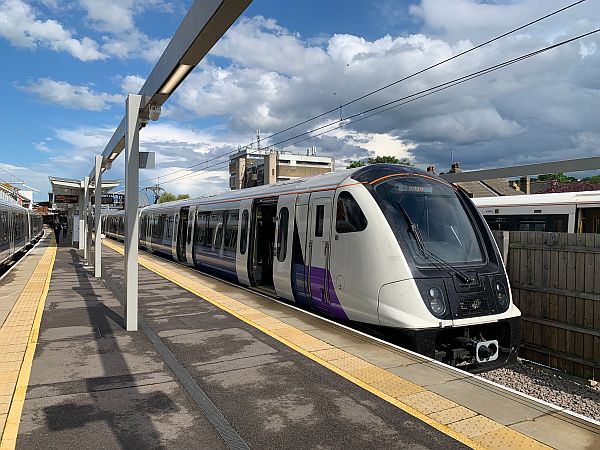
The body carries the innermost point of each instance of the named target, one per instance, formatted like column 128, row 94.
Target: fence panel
column 555, row 281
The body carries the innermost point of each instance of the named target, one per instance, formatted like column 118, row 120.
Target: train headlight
column 501, row 294
column 437, row 304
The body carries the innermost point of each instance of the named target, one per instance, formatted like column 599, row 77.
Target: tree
column 380, row 160
column 559, row 177
column 167, row 197
column 594, row 179
column 355, row 164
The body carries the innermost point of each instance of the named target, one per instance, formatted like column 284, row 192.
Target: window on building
column 349, row 216
column 282, row 234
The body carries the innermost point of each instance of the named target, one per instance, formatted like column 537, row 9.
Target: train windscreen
column 434, row 207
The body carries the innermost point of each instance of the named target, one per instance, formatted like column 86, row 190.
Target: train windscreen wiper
column 414, row 229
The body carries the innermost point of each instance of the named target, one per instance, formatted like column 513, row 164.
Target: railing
column 555, row 281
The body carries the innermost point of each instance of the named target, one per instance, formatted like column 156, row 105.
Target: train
column 388, row 247
column 565, row 212
column 19, row 227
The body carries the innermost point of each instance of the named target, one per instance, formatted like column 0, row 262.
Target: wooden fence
column 555, row 281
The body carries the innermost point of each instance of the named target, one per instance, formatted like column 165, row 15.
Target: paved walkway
column 95, row 386
column 215, row 366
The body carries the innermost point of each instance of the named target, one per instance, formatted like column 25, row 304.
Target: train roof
column 581, row 199
column 323, row 181
column 330, row 180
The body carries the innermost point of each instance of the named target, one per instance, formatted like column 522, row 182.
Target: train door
column 189, row 242
column 241, row 257
column 172, row 232
column 262, row 243
column 319, row 240
column 149, row 231
column 181, row 239
column 11, row 232
column 284, row 237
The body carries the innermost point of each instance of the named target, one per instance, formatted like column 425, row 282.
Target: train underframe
column 466, row 347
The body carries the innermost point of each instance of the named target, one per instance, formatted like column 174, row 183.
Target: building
column 497, row 187
column 252, row 167
column 13, row 194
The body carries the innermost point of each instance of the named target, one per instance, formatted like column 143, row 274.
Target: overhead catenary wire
column 211, row 168
column 368, row 94
column 445, row 85
column 409, row 98
column 458, row 55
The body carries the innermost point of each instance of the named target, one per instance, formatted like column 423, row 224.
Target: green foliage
column 380, row 160
column 594, row 179
column 560, row 177
column 183, row 196
column 167, row 197
column 355, row 164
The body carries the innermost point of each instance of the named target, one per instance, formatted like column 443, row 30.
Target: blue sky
column 68, row 65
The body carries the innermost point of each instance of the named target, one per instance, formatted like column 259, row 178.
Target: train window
column 4, row 228
column 320, row 216
column 214, row 235
column 244, row 236
column 201, row 220
column 282, row 234
column 231, row 230
column 170, row 222
column 349, row 217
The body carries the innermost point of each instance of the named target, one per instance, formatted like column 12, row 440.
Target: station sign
column 66, row 198
column 105, row 200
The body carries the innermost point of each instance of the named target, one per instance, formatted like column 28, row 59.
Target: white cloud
column 35, row 177
column 113, row 16
column 121, row 37
column 21, row 27
column 70, row 95
column 42, row 147
column 131, row 84
column 274, row 78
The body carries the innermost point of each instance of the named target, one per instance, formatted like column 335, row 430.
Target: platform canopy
column 68, row 190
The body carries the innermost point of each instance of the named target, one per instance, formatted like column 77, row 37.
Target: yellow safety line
column 394, row 401
column 11, row 429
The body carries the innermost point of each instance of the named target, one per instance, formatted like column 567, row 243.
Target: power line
column 413, row 97
column 428, row 68
column 212, row 168
column 439, row 87
column 13, row 175
column 489, row 41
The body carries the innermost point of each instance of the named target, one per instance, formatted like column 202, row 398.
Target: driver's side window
column 349, row 216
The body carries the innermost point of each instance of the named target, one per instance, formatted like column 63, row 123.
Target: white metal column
column 86, row 201
column 132, row 177
column 97, row 221
column 80, row 219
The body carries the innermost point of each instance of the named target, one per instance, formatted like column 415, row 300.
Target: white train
column 567, row 212
column 18, row 228
column 385, row 245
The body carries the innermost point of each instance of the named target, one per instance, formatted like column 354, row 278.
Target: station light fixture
column 176, row 77
column 113, row 156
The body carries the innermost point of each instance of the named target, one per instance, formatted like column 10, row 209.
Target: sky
column 68, row 66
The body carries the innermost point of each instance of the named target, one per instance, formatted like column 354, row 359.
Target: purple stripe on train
column 318, row 278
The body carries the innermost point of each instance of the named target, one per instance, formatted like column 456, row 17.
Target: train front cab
column 454, row 302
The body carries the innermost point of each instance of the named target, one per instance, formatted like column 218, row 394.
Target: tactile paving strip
column 462, row 424
column 18, row 338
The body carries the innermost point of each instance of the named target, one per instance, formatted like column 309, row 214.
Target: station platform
column 217, row 366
